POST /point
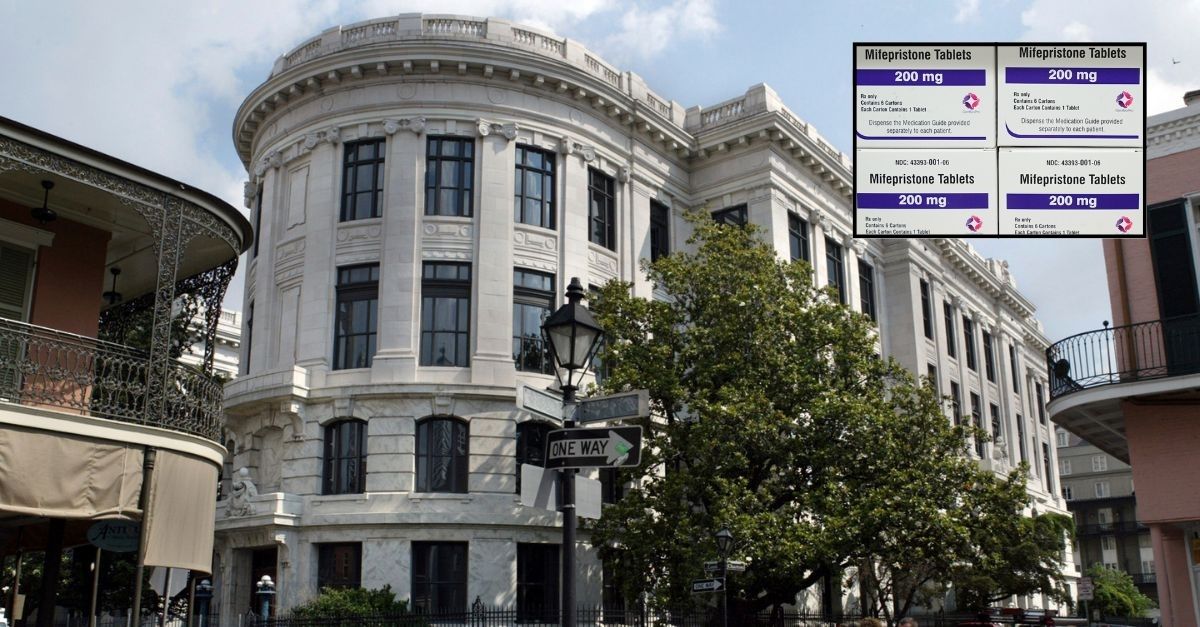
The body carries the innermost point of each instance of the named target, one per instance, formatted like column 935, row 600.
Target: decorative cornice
column 506, row 129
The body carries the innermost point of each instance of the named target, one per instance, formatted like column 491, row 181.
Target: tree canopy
column 776, row 417
column 1115, row 594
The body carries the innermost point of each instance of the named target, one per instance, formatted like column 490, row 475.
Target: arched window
column 531, row 445
column 345, row 469
column 442, row 450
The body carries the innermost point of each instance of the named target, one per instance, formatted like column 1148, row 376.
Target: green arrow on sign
column 618, row 448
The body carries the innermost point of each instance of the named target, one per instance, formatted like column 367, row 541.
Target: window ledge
column 465, row 497
column 339, row 498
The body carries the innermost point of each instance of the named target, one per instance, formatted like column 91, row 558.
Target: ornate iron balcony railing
column 47, row 367
column 1135, row 352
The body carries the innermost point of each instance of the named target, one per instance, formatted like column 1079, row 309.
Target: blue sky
column 157, row 83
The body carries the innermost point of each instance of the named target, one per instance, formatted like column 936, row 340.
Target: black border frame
column 995, row 44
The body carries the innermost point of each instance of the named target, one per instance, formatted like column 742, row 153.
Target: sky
column 157, row 82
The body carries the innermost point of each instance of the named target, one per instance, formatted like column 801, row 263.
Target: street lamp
column 266, row 590
column 724, row 545
column 204, row 594
column 573, row 335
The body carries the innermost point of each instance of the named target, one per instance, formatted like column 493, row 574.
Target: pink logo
column 974, row 223
column 970, row 101
column 1125, row 100
column 1124, row 224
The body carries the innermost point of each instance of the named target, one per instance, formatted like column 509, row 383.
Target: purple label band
column 928, row 200
column 1073, row 202
column 1074, row 75
column 906, row 137
column 1067, row 136
column 921, row 78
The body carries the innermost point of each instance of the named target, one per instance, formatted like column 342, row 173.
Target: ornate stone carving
column 368, row 232
column 286, row 251
column 508, row 130
column 249, row 192
column 294, row 412
column 311, row 140
column 242, row 488
column 333, row 135
column 416, row 125
column 566, row 146
column 454, row 255
column 624, row 173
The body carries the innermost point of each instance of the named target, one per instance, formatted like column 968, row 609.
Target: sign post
column 1087, row 591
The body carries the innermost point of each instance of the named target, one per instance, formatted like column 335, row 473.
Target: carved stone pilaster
column 624, row 174
column 294, row 412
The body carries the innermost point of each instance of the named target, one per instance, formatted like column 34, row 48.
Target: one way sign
column 606, row 447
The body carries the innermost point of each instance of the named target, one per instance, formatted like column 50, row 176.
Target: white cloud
column 646, row 33
column 968, row 11
column 1168, row 27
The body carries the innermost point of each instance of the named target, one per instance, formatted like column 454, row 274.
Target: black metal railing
column 1110, row 528
column 1135, row 352
column 1144, row 578
column 47, row 367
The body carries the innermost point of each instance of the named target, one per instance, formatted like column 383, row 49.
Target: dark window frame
column 336, row 460
column 736, row 215
column 327, row 557
column 660, row 230
column 430, row 585
column 456, row 479
column 531, row 444
column 798, row 238
column 926, row 309
column 956, row 400
column 1021, row 437
column 969, row 342
column 989, row 357
column 997, row 423
column 353, row 291
column 602, row 209
column 462, row 163
column 977, row 421
column 249, row 342
column 351, row 164
column 547, row 208
column 931, row 372
column 951, row 330
column 257, row 220
column 529, row 343
column 1016, row 368
column 1040, row 399
column 866, row 289
column 1172, row 260
column 1046, row 466
column 537, row 597
column 436, row 290
column 835, row 269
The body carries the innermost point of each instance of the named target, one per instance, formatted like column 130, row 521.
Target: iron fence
column 1135, row 352
column 47, row 367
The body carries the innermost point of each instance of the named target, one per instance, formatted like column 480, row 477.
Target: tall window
column 1012, row 359
column 1099, row 463
column 362, row 179
column 1067, row 493
column 531, row 445
column 612, row 486
column 345, row 470
column 1046, row 468
column 660, row 230
column 866, row 288
column 537, row 582
column 449, row 176
column 969, row 341
column 612, row 598
column 1041, row 403
column 1064, row 466
column 977, row 420
column 249, row 341
column 934, row 382
column 1174, row 272
column 439, row 582
column 989, row 357
column 16, row 277
column 835, row 270
column 951, row 330
column 1102, row 490
column 1021, row 439
column 926, row 310
column 442, row 455
column 258, row 194
column 354, row 328
column 956, row 398
column 1063, row 438
column 736, row 216
column 534, row 200
column 798, row 237
column 445, row 314
column 996, row 424
column 602, row 211
column 533, row 300
column 339, row 565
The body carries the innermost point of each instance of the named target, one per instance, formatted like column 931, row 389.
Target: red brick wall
column 1172, row 176
column 69, row 276
column 1163, row 440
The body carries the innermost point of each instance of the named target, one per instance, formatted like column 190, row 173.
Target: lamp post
column 724, row 544
column 266, row 590
column 572, row 335
column 204, row 594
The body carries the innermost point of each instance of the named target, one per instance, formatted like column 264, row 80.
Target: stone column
column 850, row 276
column 821, row 227
column 400, row 268
column 492, row 360
column 1001, row 341
column 315, row 345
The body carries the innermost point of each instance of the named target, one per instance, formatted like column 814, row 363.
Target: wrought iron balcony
column 1135, row 352
column 47, row 367
column 1113, row 528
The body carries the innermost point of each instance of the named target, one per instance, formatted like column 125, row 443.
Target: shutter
column 15, row 275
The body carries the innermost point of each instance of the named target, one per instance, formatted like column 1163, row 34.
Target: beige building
column 424, row 187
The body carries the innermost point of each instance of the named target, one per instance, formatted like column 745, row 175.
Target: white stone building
column 227, row 346
column 424, row 187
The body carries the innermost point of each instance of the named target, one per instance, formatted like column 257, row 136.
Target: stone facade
column 410, row 78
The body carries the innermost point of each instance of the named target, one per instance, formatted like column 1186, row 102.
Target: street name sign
column 715, row 584
column 732, row 566
column 1086, row 589
column 712, row 567
column 605, row 447
column 540, row 402
column 635, row 404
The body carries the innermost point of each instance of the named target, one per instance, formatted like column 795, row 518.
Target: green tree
column 342, row 602
column 1116, row 594
column 774, row 417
